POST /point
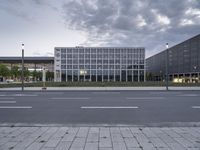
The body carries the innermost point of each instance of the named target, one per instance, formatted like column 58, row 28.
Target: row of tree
column 15, row 73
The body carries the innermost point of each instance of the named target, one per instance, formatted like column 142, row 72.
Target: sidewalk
column 99, row 88
column 99, row 138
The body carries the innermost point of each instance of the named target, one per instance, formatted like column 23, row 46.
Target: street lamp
column 167, row 66
column 22, row 67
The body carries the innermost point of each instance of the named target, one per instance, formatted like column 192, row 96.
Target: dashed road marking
column 166, row 92
column 7, row 102
column 189, row 95
column 196, row 107
column 109, row 107
column 135, row 98
column 24, row 95
column 70, row 98
column 6, row 98
column 15, row 107
column 106, row 92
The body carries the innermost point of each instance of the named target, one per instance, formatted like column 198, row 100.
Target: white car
column 9, row 81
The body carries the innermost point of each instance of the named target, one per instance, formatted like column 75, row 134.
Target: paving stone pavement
column 99, row 138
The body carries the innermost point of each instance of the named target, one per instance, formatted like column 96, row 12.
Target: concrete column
column 132, row 74
column 190, row 78
column 138, row 74
column 184, row 77
column 35, row 67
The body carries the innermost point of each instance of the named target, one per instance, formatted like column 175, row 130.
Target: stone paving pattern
column 99, row 138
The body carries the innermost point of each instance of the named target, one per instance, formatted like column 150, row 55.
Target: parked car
column 9, row 81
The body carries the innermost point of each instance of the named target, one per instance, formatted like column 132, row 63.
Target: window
column 69, row 50
column 75, row 50
column 81, row 61
column 93, row 61
column 63, row 61
column 63, row 50
column 69, row 66
column 75, row 66
column 105, row 61
column 63, row 66
column 63, row 56
column 75, row 61
column 69, row 61
column 93, row 66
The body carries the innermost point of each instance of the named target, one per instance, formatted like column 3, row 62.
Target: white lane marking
column 189, row 95
column 144, row 98
column 7, row 98
column 23, row 95
column 165, row 92
column 70, row 98
column 7, row 101
column 15, row 107
column 2, row 95
column 109, row 107
column 196, row 107
column 106, row 92
column 45, row 92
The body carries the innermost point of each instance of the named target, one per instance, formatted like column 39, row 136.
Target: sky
column 44, row 24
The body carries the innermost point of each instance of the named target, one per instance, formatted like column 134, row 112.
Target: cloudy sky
column 43, row 24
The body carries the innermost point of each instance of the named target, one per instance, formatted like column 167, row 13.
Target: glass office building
column 99, row 64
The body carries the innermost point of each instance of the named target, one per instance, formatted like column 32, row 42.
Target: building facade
column 32, row 63
column 184, row 62
column 99, row 64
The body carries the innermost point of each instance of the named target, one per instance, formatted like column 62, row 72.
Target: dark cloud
column 149, row 23
column 24, row 9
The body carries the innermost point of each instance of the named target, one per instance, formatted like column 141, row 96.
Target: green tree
column 149, row 76
column 15, row 71
column 4, row 71
column 36, row 75
column 49, row 76
column 26, row 73
column 39, row 76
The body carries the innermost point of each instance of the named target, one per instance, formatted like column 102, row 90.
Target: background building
column 33, row 67
column 32, row 63
column 184, row 62
column 99, row 64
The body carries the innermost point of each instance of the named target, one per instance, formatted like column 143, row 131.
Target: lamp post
column 22, row 75
column 167, row 66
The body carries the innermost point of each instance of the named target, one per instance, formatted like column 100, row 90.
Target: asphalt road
column 100, row 107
